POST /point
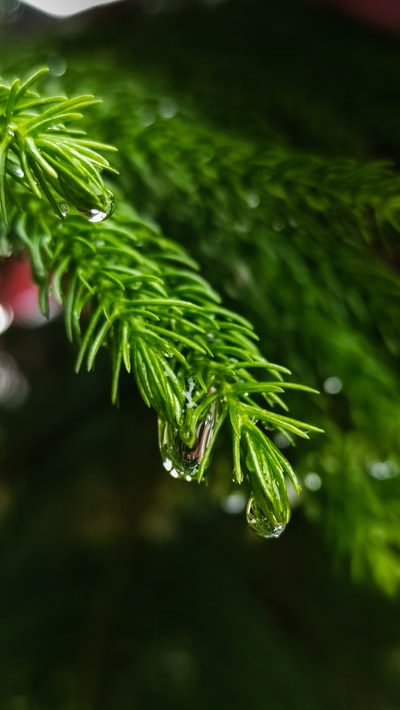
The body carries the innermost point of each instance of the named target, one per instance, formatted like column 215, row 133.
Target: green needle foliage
column 263, row 139
column 264, row 174
column 124, row 286
column 47, row 158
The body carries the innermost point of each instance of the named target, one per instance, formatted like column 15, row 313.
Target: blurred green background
column 120, row 588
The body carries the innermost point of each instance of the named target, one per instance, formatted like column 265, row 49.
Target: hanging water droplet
column 169, row 466
column 262, row 524
column 64, row 209
column 17, row 171
column 57, row 65
column 94, row 215
column 177, row 458
column 97, row 214
column 180, row 459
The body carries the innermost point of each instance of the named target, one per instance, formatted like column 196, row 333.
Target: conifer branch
column 42, row 154
column 127, row 288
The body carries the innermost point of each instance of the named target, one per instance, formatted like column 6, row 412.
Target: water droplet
column 57, row 65
column 333, row 385
column 95, row 215
column 313, row 481
column 180, row 459
column 169, row 466
column 167, row 107
column 234, row 503
column 382, row 470
column 10, row 132
column 281, row 440
column 260, row 523
column 17, row 171
column 252, row 199
column 64, row 209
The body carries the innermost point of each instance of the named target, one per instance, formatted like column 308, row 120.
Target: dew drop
column 253, row 199
column 313, row 481
column 95, row 215
column 333, row 385
column 57, row 65
column 281, row 440
column 17, row 171
column 234, row 503
column 167, row 107
column 169, row 466
column 64, row 209
column 260, row 523
column 179, row 459
column 382, row 470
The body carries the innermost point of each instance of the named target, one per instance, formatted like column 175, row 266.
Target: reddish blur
column 381, row 13
column 19, row 295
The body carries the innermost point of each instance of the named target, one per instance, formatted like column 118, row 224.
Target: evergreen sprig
column 39, row 150
column 128, row 288
column 306, row 243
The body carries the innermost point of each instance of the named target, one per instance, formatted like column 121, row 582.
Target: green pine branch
column 127, row 288
column 48, row 158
